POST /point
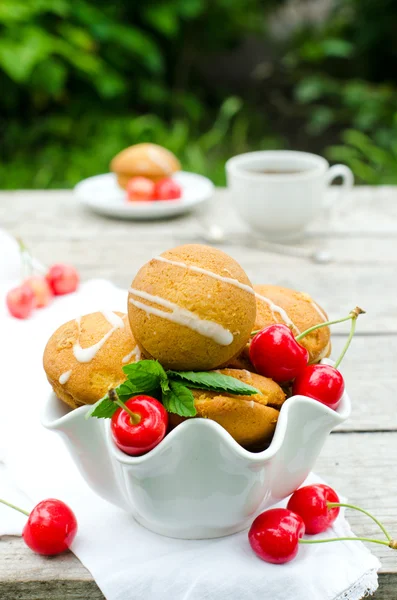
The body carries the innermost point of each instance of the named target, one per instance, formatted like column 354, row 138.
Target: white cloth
column 127, row 561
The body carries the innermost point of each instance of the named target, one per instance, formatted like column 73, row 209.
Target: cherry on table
column 311, row 503
column 21, row 301
column 41, row 290
column 139, row 424
column 275, row 353
column 62, row 279
column 323, row 383
column 50, row 528
column 274, row 535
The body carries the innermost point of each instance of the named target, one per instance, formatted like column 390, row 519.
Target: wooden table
column 359, row 458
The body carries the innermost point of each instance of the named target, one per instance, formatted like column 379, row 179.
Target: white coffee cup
column 279, row 192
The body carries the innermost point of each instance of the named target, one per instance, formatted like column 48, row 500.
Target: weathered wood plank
column 361, row 466
column 369, row 369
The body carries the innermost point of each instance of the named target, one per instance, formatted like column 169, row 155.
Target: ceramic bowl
column 198, row 482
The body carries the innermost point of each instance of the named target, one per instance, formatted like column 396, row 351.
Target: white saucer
column 103, row 195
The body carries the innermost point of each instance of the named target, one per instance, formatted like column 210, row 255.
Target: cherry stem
column 24, row 512
column 135, row 418
column 391, row 543
column 337, row 504
column 354, row 314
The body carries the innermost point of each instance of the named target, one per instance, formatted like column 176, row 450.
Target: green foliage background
column 80, row 80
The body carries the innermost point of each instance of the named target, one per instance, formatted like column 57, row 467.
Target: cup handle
column 340, row 171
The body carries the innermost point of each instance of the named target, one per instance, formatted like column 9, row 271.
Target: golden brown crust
column 88, row 382
column 147, row 160
column 250, row 420
column 178, row 346
column 303, row 312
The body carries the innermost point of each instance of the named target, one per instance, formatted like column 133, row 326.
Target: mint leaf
column 210, row 380
column 143, row 377
column 179, row 400
column 148, row 366
column 103, row 409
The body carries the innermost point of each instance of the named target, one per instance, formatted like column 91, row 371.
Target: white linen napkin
column 127, row 561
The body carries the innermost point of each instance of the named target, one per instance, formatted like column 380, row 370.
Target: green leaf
column 211, row 380
column 104, row 409
column 143, row 377
column 179, row 400
column 337, row 47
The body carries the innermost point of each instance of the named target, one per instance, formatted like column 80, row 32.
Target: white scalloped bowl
column 198, row 482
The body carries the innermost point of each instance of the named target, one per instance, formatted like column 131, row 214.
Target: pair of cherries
column 144, row 189
column 37, row 291
column 275, row 534
column 276, row 353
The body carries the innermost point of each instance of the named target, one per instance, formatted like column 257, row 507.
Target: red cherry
column 311, row 503
column 62, row 279
column 140, row 189
column 21, row 301
column 138, row 437
column 275, row 534
column 275, row 353
column 50, row 528
column 321, row 382
column 167, row 189
column 41, row 290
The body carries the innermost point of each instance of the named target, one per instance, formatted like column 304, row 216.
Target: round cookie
column 298, row 310
column 192, row 308
column 146, row 160
column 250, row 420
column 76, row 382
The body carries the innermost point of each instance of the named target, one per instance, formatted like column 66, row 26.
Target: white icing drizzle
column 243, row 286
column 182, row 316
column 135, row 352
column 231, row 280
column 85, row 355
column 113, row 319
column 320, row 312
column 277, row 309
column 65, row 377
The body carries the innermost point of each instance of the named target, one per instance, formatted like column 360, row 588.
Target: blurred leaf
column 13, row 11
column 77, row 36
column 337, row 47
column 309, row 89
column 18, row 57
column 50, row 75
column 321, row 117
column 163, row 19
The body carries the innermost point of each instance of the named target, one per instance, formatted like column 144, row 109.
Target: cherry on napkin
column 127, row 561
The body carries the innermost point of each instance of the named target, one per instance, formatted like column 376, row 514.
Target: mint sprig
column 216, row 382
column 170, row 387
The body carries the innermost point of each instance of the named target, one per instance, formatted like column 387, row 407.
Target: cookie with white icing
column 192, row 308
column 145, row 160
column 83, row 359
column 250, row 420
column 275, row 304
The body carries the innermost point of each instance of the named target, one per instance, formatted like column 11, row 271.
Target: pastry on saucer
column 83, row 359
column 191, row 308
column 250, row 420
column 145, row 160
